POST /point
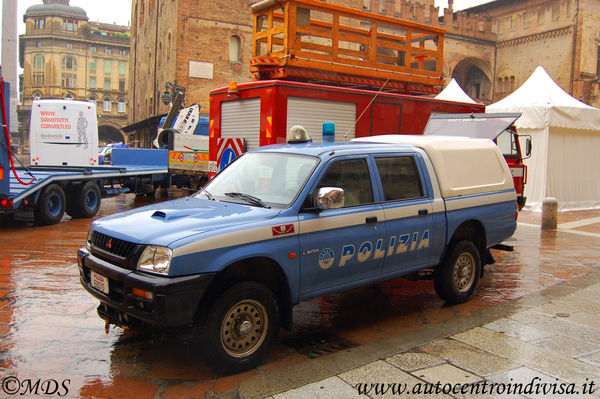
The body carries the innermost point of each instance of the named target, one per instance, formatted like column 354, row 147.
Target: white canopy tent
column 453, row 92
column 565, row 160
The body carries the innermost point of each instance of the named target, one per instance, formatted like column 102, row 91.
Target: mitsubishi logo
column 109, row 244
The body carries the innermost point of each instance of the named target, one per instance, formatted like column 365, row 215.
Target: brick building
column 63, row 55
column 490, row 49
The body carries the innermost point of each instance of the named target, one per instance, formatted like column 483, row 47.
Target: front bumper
column 173, row 302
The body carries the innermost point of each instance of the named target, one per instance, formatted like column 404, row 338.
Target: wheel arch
column 471, row 230
column 260, row 269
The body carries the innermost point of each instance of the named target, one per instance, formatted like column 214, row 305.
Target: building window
column 93, row 49
column 69, row 62
column 106, row 105
column 93, row 100
column 107, row 67
column 235, row 47
column 38, row 61
column 106, row 84
column 69, row 96
column 69, row 46
column 108, row 50
column 121, row 106
column 92, row 83
column 123, row 52
column 38, row 79
column 93, row 66
column 40, row 23
column 68, row 81
column 36, row 95
column 38, row 44
column 121, row 85
column 70, row 25
column 122, row 67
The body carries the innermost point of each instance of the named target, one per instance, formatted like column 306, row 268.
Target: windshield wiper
column 248, row 198
column 208, row 195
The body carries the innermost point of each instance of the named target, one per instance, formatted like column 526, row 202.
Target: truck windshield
column 261, row 179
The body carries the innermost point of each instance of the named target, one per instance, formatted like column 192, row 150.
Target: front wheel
column 456, row 278
column 240, row 327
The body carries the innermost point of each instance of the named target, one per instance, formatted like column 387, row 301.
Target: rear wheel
column 240, row 327
column 50, row 206
column 457, row 277
column 85, row 200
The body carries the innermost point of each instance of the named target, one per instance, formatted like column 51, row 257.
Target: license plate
column 99, row 282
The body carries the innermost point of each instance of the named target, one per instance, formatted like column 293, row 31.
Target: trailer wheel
column 456, row 278
column 50, row 206
column 240, row 327
column 85, row 200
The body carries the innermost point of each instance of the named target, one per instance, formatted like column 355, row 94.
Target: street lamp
column 171, row 91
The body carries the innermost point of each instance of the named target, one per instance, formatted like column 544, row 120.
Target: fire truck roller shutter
column 311, row 114
column 242, row 119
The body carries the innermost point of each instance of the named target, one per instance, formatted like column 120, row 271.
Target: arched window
column 93, row 100
column 69, row 96
column 36, row 95
column 106, row 105
column 121, row 105
column 235, row 49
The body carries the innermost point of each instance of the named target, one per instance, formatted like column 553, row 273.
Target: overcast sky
column 119, row 11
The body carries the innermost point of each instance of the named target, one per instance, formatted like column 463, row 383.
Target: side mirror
column 528, row 147
column 329, row 198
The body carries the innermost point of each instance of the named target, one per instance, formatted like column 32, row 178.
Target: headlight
column 88, row 240
column 155, row 260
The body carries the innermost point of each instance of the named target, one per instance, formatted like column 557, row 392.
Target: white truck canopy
column 464, row 166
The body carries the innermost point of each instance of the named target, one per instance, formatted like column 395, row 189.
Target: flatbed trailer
column 78, row 190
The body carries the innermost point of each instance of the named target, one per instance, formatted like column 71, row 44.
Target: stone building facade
column 490, row 49
column 63, row 55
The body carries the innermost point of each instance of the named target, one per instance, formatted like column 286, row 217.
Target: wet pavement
column 535, row 314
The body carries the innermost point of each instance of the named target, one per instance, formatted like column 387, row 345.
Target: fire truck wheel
column 240, row 327
column 50, row 206
column 85, row 200
column 456, row 278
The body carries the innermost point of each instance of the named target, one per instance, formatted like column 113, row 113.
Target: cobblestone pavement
column 535, row 317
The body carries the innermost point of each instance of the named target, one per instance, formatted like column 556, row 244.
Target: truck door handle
column 371, row 219
column 423, row 212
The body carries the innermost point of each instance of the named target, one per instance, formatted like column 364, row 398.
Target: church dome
column 53, row 8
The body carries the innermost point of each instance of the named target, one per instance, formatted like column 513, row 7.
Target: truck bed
column 49, row 174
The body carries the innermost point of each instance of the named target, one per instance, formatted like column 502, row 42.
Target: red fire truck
column 315, row 62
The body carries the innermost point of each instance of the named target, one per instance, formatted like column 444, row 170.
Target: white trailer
column 63, row 133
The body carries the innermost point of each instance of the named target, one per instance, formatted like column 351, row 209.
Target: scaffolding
column 313, row 41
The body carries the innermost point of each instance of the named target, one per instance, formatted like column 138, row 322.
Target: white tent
column 565, row 160
column 453, row 92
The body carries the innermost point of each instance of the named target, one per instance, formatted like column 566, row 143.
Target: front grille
column 113, row 246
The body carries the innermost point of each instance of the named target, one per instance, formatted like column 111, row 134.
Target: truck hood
column 166, row 222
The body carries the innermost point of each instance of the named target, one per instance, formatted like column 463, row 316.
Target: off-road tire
column 456, row 278
column 240, row 327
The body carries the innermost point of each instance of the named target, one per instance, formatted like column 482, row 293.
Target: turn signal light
column 142, row 293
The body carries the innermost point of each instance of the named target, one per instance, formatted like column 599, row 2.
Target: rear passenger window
column 352, row 175
column 399, row 177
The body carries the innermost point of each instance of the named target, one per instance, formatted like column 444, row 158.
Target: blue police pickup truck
column 290, row 222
